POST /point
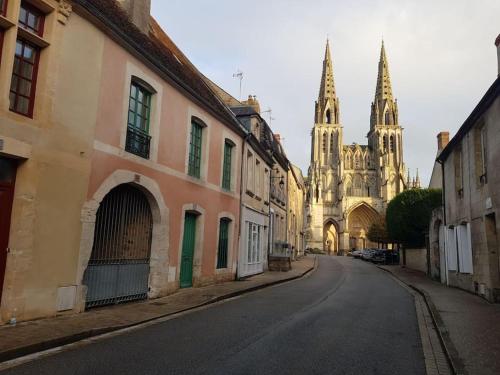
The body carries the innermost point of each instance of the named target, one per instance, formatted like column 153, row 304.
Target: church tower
column 386, row 135
column 326, row 137
column 349, row 186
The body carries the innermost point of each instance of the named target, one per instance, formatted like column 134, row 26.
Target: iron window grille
column 138, row 139
column 222, row 253
column 226, row 173
column 195, row 145
column 24, row 76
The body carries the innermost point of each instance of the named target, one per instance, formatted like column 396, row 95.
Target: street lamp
column 282, row 180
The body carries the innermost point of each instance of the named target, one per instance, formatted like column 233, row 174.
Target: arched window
column 331, row 143
column 358, row 185
column 328, row 117
column 347, row 162
column 384, row 141
column 357, row 161
column 392, row 144
column 325, row 138
column 348, row 188
column 388, row 118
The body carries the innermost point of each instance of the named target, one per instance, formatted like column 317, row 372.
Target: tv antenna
column 239, row 75
column 270, row 112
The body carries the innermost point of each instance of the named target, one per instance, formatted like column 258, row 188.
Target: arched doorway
column 330, row 238
column 360, row 219
column 118, row 269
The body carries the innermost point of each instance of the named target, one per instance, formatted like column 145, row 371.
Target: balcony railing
column 138, row 142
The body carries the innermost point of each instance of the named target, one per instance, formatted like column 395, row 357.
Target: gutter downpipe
column 445, row 231
column 245, row 142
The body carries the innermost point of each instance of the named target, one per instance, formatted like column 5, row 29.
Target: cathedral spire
column 384, row 106
column 327, row 87
column 384, row 88
column 327, row 108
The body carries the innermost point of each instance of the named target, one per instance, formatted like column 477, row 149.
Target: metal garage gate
column 118, row 269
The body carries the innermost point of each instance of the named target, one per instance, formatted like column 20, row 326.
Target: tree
column 378, row 233
column 408, row 215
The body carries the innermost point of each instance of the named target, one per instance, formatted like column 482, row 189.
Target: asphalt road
column 348, row 317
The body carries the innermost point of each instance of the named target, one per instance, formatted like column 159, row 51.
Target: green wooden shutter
column 195, row 150
column 223, row 243
column 188, row 245
column 226, row 173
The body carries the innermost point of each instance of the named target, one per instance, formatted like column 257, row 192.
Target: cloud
column 441, row 58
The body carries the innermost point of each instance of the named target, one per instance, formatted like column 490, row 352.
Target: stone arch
column 360, row 218
column 158, row 276
column 331, row 237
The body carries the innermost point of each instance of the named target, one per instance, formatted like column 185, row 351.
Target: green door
column 188, row 242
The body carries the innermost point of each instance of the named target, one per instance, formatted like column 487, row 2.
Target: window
column 253, row 243
column 480, row 142
column 257, row 178
column 24, row 75
column 392, row 145
column 3, row 7
column 194, row 168
column 325, row 139
column 266, row 185
column 384, row 140
column 31, row 19
column 331, row 143
column 139, row 110
column 328, row 117
column 227, row 164
column 457, row 161
column 249, row 172
column 223, row 243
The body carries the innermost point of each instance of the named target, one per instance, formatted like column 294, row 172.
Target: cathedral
column 349, row 186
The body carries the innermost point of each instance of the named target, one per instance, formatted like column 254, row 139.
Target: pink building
column 164, row 192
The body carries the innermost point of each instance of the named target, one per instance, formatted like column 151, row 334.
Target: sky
column 441, row 54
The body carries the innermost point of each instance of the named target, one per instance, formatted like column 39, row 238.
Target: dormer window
column 31, row 19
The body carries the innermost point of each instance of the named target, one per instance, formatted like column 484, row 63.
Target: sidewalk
column 469, row 325
column 31, row 337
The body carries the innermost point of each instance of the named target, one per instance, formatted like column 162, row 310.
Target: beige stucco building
column 349, row 186
column 471, row 189
column 296, row 211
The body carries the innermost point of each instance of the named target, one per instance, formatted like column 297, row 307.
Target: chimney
column 277, row 138
column 497, row 43
column 138, row 12
column 253, row 102
column 443, row 139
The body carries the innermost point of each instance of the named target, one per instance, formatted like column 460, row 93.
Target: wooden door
column 188, row 245
column 7, row 180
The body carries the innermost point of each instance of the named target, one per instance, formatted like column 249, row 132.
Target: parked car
column 355, row 253
column 367, row 254
column 379, row 256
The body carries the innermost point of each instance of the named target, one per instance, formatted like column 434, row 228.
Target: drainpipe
column 245, row 141
column 445, row 232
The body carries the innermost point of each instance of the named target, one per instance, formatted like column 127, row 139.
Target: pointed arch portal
column 331, row 238
column 360, row 219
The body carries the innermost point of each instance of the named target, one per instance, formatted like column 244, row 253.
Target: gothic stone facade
column 349, row 186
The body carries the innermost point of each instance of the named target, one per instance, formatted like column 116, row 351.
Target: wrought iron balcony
column 138, row 142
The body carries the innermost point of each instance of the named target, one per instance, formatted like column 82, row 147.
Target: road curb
column 16, row 353
column 449, row 349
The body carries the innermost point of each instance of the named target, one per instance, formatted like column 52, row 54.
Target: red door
column 7, row 179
